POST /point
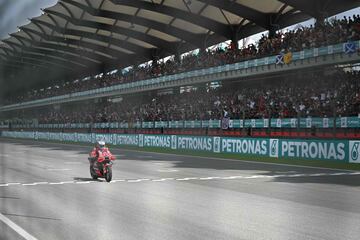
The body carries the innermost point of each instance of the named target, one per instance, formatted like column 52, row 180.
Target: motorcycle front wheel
column 93, row 173
column 108, row 175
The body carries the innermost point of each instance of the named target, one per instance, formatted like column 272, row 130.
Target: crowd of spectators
column 314, row 94
column 321, row 34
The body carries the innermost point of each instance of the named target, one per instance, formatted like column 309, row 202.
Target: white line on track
column 158, row 180
column 280, row 175
column 135, row 180
column 162, row 179
column 16, row 228
column 67, row 182
column 168, row 170
column 317, row 174
column 84, row 182
column 338, row 174
column 251, row 177
column 118, row 180
column 207, row 178
column 210, row 178
column 58, row 169
column 138, row 180
column 232, row 177
column 187, row 179
column 214, row 178
column 298, row 175
column 40, row 183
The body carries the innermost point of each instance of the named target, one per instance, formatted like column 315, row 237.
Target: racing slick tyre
column 93, row 173
column 108, row 175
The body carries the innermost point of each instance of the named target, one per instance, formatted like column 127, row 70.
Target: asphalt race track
column 46, row 193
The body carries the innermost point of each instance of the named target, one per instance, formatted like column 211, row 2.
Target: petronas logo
column 173, row 142
column 273, row 148
column 355, row 151
column 216, row 144
column 141, row 140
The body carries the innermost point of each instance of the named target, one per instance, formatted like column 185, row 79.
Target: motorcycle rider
column 101, row 160
column 100, row 145
column 94, row 154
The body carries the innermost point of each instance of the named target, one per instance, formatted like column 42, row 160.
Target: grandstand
column 125, row 67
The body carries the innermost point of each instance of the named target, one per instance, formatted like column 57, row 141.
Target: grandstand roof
column 82, row 37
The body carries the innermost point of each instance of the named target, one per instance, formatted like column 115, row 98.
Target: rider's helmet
column 100, row 144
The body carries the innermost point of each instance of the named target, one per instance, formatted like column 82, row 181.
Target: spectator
column 308, row 94
column 331, row 32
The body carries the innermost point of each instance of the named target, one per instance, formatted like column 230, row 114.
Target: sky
column 15, row 13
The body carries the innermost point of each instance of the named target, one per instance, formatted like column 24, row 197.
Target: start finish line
column 335, row 150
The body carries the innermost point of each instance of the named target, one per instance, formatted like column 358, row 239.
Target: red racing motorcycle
column 101, row 162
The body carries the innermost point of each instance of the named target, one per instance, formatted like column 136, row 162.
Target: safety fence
column 323, row 123
column 347, row 151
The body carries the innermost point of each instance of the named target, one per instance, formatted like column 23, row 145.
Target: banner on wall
column 280, row 59
column 313, row 149
column 335, row 150
column 354, row 151
column 225, row 123
column 343, row 122
column 349, row 47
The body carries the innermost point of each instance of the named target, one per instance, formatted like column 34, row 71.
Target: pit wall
column 333, row 150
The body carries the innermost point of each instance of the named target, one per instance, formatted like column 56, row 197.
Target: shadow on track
column 27, row 216
column 82, row 179
column 6, row 197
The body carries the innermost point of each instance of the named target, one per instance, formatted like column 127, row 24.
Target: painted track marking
column 16, row 228
column 58, row 169
column 299, row 175
column 168, row 170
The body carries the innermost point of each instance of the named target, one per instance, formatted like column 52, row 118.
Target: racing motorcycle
column 101, row 164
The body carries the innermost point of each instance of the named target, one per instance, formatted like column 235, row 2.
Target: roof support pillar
column 272, row 32
column 235, row 41
column 274, row 23
column 319, row 21
column 320, row 13
column 155, row 57
column 205, row 44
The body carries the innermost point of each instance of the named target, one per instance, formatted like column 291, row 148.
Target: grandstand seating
column 332, row 32
column 311, row 94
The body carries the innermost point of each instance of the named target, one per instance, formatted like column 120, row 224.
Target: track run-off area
column 46, row 193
